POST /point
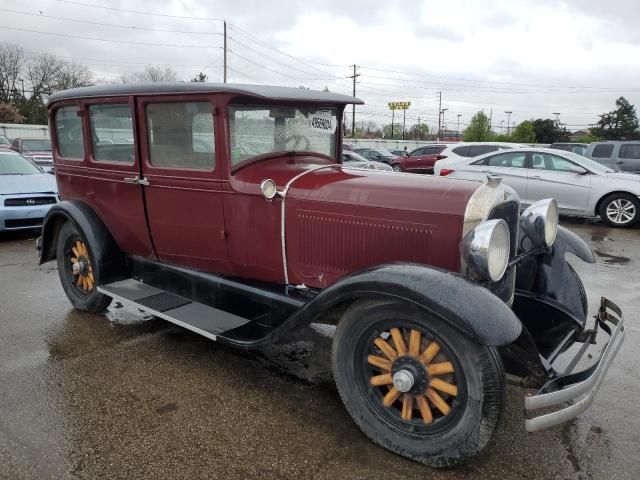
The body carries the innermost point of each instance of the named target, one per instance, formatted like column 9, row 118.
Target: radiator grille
column 23, row 223
column 29, row 202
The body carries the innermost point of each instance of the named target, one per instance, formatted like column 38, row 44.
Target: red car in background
column 421, row 160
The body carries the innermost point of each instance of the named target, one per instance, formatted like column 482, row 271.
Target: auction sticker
column 323, row 122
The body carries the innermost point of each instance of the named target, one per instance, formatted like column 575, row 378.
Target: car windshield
column 14, row 164
column 37, row 145
column 4, row 141
column 587, row 163
column 258, row 130
column 385, row 153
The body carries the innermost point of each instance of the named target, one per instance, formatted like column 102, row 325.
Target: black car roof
column 172, row 88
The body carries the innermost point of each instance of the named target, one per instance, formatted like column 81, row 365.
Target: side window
column 462, row 151
column 630, row 151
column 476, row 150
column 180, row 135
column 431, row 151
column 68, row 126
column 602, row 151
column 112, row 133
column 511, row 159
column 417, row 152
column 546, row 161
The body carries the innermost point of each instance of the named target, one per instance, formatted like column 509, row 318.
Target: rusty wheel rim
column 414, row 377
column 81, row 270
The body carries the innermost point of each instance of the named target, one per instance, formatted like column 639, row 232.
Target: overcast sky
column 531, row 57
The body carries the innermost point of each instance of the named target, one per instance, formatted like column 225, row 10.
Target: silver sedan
column 581, row 186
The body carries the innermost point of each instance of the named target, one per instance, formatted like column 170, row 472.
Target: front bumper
column 577, row 389
column 22, row 218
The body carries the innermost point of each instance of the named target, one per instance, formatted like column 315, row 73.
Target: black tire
column 397, row 167
column 86, row 299
column 620, row 210
column 475, row 410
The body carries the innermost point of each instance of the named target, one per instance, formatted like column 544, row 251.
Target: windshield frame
column 260, row 102
column 37, row 170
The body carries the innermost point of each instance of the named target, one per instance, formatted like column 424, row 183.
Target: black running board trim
column 199, row 318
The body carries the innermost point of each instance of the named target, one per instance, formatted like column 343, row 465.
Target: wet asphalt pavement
column 124, row 395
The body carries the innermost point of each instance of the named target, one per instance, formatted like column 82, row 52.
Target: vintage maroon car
column 420, row 160
column 224, row 209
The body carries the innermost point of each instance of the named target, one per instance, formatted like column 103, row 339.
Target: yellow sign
column 399, row 105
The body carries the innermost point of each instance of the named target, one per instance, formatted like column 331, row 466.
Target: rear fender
column 468, row 307
column 88, row 223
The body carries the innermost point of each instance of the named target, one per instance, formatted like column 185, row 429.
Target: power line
column 113, row 25
column 139, row 12
column 68, row 35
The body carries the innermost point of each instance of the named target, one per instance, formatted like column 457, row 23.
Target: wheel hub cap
column 403, row 380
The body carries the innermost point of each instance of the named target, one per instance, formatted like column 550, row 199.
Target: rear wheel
column 415, row 385
column 78, row 271
column 620, row 210
column 396, row 167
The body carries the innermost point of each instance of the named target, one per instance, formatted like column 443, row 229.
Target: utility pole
column 508, row 112
column 458, row 129
column 501, row 125
column 442, row 112
column 353, row 112
column 419, row 130
column 393, row 116
column 557, row 114
column 439, row 113
column 404, row 121
column 224, row 75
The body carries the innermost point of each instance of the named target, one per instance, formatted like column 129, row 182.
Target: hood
column 627, row 176
column 18, row 184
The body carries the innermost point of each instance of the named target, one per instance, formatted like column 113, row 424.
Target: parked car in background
column 36, row 149
column 457, row 151
column 400, row 153
column 377, row 154
column 617, row 155
column 578, row 148
column 4, row 142
column 354, row 160
column 26, row 192
column 420, row 160
column 581, row 186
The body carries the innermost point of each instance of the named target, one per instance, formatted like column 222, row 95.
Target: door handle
column 136, row 180
column 535, row 177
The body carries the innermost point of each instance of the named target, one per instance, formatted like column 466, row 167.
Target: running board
column 199, row 318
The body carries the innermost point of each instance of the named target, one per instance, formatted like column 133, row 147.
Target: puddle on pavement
column 612, row 259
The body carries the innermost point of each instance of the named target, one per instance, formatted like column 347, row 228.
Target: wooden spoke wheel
column 414, row 376
column 81, row 269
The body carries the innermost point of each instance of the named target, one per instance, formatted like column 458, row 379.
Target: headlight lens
column 540, row 222
column 486, row 249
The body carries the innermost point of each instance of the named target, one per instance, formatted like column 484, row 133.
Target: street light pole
column 458, row 129
column 508, row 112
column 439, row 113
column 442, row 112
column 501, row 125
column 404, row 120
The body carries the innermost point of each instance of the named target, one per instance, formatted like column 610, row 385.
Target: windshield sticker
column 323, row 122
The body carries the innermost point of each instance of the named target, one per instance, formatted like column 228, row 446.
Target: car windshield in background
column 14, row 164
column 4, row 141
column 259, row 130
column 37, row 145
column 385, row 153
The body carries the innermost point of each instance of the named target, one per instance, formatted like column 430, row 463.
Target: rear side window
column 112, row 133
column 432, row 150
column 602, row 151
column 476, row 150
column 462, row 151
column 180, row 135
column 418, row 152
column 68, row 126
column 630, row 151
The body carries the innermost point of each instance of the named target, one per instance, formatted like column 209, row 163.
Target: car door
column 511, row 166
column 628, row 159
column 113, row 170
column 182, row 185
column 553, row 176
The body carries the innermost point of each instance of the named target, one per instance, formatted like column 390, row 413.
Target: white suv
column 463, row 150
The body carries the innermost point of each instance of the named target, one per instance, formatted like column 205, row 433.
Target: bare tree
column 12, row 59
column 73, row 75
column 43, row 72
column 151, row 73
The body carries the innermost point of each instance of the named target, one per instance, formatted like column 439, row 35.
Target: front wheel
column 620, row 210
column 415, row 385
column 397, row 168
column 79, row 273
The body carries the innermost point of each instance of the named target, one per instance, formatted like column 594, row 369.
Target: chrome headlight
column 540, row 222
column 485, row 249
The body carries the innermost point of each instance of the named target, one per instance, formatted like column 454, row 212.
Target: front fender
column 88, row 223
column 467, row 306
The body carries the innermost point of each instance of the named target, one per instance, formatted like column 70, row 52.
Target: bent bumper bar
column 581, row 393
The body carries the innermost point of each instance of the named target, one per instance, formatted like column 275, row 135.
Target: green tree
column 419, row 132
column 619, row 124
column 550, row 131
column 524, row 133
column 479, row 129
column 397, row 131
